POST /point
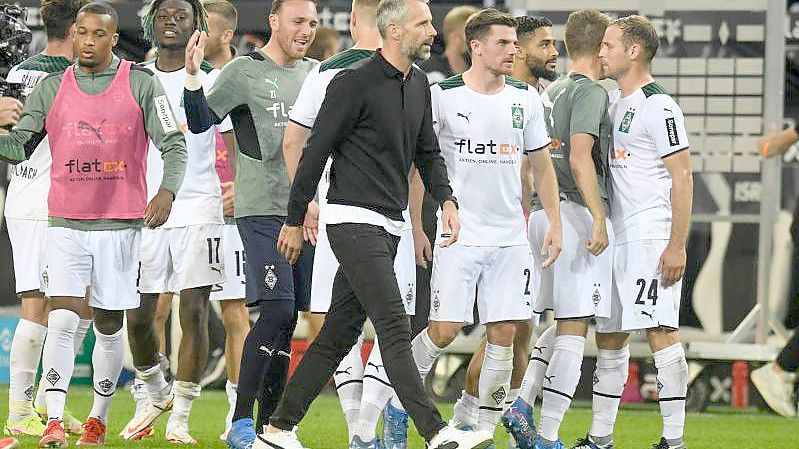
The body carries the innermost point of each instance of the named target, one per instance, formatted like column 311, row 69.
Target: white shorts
column 175, row 259
column 325, row 266
column 578, row 285
column 639, row 301
column 233, row 286
column 105, row 260
column 503, row 277
column 27, row 242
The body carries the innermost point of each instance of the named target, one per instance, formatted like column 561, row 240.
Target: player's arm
column 422, row 248
column 672, row 262
column 294, row 140
column 527, row 184
column 589, row 107
column 225, row 95
column 536, row 148
column 161, row 126
column 666, row 126
column 301, row 120
column 775, row 143
column 433, row 170
column 19, row 144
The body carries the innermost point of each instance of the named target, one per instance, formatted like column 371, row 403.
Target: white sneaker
column 223, row 437
column 179, row 434
column 451, row 438
column 776, row 388
column 138, row 426
column 279, row 440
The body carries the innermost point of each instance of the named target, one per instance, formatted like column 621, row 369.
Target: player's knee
column 662, row 337
column 235, row 317
column 612, row 341
column 501, row 333
column 108, row 322
column 443, row 333
column 573, row 327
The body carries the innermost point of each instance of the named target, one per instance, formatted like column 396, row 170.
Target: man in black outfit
column 376, row 120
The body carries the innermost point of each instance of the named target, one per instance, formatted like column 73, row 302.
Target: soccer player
column 376, row 122
column 535, row 59
column 184, row 253
column 650, row 168
column 578, row 286
column 362, row 391
column 257, row 90
column 222, row 24
column 26, row 215
column 486, row 122
column 97, row 202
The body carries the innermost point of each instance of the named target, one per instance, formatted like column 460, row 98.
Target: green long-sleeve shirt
column 26, row 135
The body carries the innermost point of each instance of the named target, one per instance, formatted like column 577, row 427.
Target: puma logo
column 345, row 371
column 540, row 349
column 648, row 314
column 266, row 350
column 667, row 110
column 377, row 367
column 466, row 116
column 85, row 126
column 216, row 269
column 272, row 82
column 549, row 378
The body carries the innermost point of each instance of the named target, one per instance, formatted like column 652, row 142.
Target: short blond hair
column 457, row 17
column 584, row 31
column 637, row 29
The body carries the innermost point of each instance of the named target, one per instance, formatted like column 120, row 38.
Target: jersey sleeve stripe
column 301, row 124
column 674, row 152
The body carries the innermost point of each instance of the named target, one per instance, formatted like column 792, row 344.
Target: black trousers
column 365, row 286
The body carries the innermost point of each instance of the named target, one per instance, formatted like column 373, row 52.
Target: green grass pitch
column 324, row 428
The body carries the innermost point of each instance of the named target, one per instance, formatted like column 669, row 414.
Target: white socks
column 107, row 360
column 539, row 361
column 348, row 378
column 377, row 392
column 80, row 334
column 185, row 393
column 494, row 385
column 560, row 382
column 610, row 375
column 139, row 391
column 154, row 381
column 672, row 388
column 425, row 352
column 466, row 410
column 232, row 392
column 59, row 359
column 25, row 354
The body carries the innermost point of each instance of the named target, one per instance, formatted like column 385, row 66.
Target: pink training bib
column 99, row 148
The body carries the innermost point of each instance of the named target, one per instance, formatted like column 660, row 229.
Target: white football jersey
column 199, row 200
column 483, row 139
column 29, row 181
column 648, row 126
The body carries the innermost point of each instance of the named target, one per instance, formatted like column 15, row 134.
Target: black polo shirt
column 375, row 122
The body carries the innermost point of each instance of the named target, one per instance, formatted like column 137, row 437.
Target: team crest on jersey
column 409, row 294
column 596, row 297
column 271, row 278
column 624, row 126
column 499, row 395
column 518, row 117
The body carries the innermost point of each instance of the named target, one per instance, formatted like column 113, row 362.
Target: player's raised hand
column 450, row 222
column 599, row 238
column 310, row 227
column 158, row 210
column 289, row 242
column 553, row 243
column 672, row 264
column 195, row 52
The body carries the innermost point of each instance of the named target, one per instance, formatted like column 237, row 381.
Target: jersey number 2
column 527, row 282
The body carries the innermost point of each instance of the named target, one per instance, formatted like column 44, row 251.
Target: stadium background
column 710, row 312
